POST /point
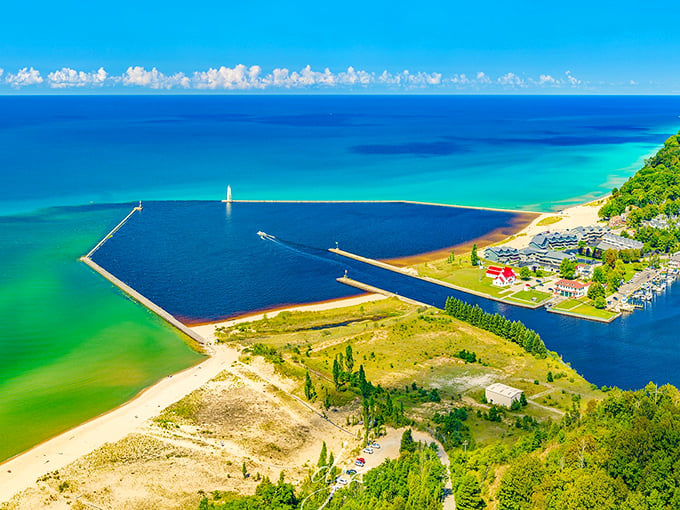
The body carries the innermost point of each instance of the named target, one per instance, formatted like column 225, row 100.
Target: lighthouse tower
column 228, row 194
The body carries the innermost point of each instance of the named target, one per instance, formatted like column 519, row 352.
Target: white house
column 502, row 395
column 572, row 288
column 502, row 277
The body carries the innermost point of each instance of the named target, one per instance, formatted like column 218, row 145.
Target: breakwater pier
column 143, row 300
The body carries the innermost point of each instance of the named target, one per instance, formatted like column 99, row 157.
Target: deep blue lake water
column 201, row 262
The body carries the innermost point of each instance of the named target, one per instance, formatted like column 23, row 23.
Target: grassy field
column 548, row 221
column 461, row 273
column 531, row 296
column 408, row 345
column 583, row 306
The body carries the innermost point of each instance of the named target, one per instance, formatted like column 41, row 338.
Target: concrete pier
column 406, row 272
column 115, row 229
column 375, row 290
column 412, row 202
column 144, row 301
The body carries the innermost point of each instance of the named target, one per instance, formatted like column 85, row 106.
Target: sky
column 125, row 46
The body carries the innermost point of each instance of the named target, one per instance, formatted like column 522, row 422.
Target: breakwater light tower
column 229, row 194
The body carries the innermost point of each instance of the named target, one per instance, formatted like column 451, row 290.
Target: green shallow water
column 71, row 345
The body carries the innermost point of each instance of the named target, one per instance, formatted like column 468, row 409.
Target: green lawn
column 528, row 295
column 567, row 305
column 583, row 307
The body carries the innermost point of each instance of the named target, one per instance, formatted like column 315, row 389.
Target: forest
column 623, row 453
column 654, row 189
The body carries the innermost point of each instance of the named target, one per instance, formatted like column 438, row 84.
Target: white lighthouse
column 229, row 194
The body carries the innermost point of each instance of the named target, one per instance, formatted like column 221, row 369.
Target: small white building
column 501, row 276
column 502, row 395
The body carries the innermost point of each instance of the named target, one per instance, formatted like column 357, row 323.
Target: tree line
column 515, row 331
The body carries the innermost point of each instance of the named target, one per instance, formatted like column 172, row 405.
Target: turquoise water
column 72, row 346
column 527, row 152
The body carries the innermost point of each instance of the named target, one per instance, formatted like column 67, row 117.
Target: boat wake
column 303, row 249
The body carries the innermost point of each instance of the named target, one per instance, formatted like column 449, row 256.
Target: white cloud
column 354, row 77
column 23, row 77
column 241, row 77
column 511, row 79
column 571, row 79
column 227, row 78
column 546, row 78
column 154, row 79
column 482, row 78
column 67, row 77
column 460, row 80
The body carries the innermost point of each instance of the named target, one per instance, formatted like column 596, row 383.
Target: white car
column 368, row 450
column 342, row 481
column 375, row 446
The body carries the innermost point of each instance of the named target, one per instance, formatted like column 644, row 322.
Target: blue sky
column 516, row 47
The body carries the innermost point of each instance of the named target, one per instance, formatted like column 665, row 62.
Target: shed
column 500, row 394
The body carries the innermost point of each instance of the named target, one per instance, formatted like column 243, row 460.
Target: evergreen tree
column 407, row 443
column 322, row 455
column 474, row 258
column 310, row 392
column 336, row 372
column 468, row 494
column 349, row 359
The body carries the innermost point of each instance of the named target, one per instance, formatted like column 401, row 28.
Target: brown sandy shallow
column 258, row 313
column 519, row 223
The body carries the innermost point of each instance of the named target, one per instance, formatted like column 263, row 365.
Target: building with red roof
column 571, row 288
column 502, row 277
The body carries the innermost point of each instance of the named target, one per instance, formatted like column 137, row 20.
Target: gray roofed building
column 500, row 394
column 502, row 255
column 547, row 259
column 611, row 241
column 554, row 240
column 591, row 234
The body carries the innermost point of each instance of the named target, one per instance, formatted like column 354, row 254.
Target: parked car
column 351, row 472
column 341, row 481
column 368, row 450
column 359, row 462
column 375, row 445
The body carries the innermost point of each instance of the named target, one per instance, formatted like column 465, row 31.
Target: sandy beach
column 571, row 217
column 21, row 471
column 520, row 223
